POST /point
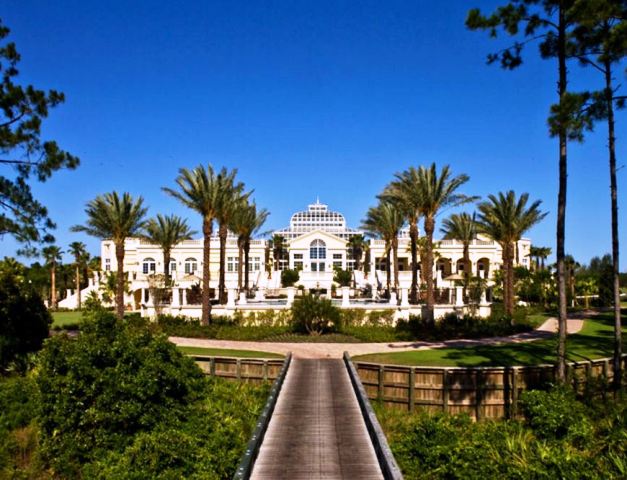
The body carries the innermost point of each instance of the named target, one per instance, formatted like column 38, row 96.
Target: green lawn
column 226, row 352
column 61, row 319
column 593, row 341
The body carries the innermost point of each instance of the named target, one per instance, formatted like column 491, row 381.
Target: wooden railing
column 482, row 392
column 254, row 370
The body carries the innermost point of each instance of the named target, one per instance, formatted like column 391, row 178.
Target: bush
column 314, row 315
column 343, row 277
column 111, row 382
column 289, row 278
column 24, row 324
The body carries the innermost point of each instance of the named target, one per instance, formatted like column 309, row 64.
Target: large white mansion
column 316, row 243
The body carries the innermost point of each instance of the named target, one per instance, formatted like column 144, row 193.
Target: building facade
column 315, row 244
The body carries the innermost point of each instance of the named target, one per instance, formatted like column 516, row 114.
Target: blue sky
column 305, row 98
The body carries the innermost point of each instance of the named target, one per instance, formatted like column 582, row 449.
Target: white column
column 483, row 299
column 346, row 297
column 176, row 300
column 185, row 297
column 459, row 296
column 242, row 298
column 393, row 299
column 404, row 297
column 68, row 292
column 231, row 293
column 260, row 294
column 290, row 295
column 438, row 277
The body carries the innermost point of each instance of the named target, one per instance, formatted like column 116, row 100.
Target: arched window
column 149, row 265
column 317, row 250
column 172, row 267
column 191, row 265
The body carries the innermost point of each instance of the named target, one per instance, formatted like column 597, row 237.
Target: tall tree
column 551, row 22
column 24, row 152
column 462, row 227
column 431, row 192
column 199, row 190
column 230, row 198
column 167, row 231
column 601, row 43
column 356, row 247
column 247, row 222
column 405, row 192
column 279, row 248
column 385, row 221
column 505, row 218
column 79, row 251
column 52, row 256
column 116, row 218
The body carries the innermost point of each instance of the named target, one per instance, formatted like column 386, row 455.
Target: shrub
column 343, row 277
column 314, row 315
column 114, row 380
column 24, row 324
column 289, row 278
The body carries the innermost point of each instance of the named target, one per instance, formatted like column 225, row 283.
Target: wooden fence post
column 380, row 386
column 265, row 369
column 212, row 366
column 445, row 392
column 238, row 368
column 412, row 381
column 514, row 392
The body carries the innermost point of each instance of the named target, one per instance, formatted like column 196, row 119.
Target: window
column 298, row 256
column 337, row 265
column 337, row 256
column 149, row 266
column 317, row 249
column 107, row 264
column 191, row 265
column 172, row 265
column 298, row 265
column 232, row 264
column 254, row 264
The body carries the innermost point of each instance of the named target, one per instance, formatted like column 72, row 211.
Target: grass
column 62, row 319
column 593, row 341
column 227, row 352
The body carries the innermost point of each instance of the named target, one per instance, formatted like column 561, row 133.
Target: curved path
column 336, row 350
column 317, row 430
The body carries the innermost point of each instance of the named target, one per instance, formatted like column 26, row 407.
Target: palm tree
column 199, row 191
column 405, row 193
column 430, row 191
column 246, row 223
column 462, row 227
column 385, row 221
column 278, row 250
column 505, row 218
column 110, row 216
column 356, row 247
column 571, row 266
column 79, row 251
column 52, row 255
column 541, row 254
column 230, row 198
column 167, row 232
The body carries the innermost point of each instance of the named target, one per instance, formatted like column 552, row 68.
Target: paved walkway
column 317, row 430
column 336, row 350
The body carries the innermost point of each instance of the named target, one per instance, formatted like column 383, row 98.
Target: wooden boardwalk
column 317, row 430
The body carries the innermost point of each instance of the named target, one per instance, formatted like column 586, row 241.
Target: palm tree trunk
column 119, row 287
column 240, row 256
column 207, row 230
column 395, row 257
column 467, row 267
column 561, row 204
column 429, row 228
column 618, row 342
column 53, row 286
column 413, row 238
column 246, row 264
column 166, row 266
column 388, row 268
column 509, row 275
column 78, row 285
column 222, row 233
